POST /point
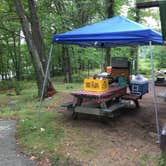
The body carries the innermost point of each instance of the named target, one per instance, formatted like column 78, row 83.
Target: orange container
column 96, row 85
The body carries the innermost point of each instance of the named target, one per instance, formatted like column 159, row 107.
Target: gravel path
column 9, row 155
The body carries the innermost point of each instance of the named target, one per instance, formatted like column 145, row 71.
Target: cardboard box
column 116, row 72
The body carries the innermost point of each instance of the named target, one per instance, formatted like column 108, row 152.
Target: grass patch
column 149, row 160
column 68, row 87
column 40, row 137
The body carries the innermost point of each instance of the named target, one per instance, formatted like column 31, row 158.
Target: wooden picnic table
column 103, row 101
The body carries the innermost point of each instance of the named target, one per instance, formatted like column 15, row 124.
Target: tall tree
column 36, row 50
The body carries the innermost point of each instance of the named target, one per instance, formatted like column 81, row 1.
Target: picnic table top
column 113, row 90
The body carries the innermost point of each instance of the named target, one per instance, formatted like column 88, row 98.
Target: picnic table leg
column 77, row 103
column 74, row 115
column 103, row 119
column 136, row 103
column 117, row 99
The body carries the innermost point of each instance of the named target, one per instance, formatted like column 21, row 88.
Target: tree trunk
column 1, row 66
column 64, row 70
column 36, row 33
column 134, row 55
column 69, row 69
column 39, row 43
column 108, row 57
column 33, row 49
column 16, row 57
column 136, row 62
column 19, row 73
column 110, row 13
column 75, row 61
column 110, row 8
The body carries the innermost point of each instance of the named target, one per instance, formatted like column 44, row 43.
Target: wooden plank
column 68, row 104
column 143, row 5
column 88, row 110
column 131, row 97
column 114, row 107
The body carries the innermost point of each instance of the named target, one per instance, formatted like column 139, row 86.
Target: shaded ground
column 9, row 154
column 129, row 139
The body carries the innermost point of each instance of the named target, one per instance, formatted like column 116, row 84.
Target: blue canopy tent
column 113, row 32
column 117, row 31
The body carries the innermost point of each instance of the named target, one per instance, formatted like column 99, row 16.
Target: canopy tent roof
column 117, row 31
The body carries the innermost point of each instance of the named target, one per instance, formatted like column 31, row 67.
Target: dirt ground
column 126, row 140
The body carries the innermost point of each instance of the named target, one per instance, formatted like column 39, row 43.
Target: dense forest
column 27, row 27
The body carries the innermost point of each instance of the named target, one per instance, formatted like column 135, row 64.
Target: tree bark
column 39, row 43
column 110, row 13
column 110, row 8
column 64, row 69
column 19, row 73
column 36, row 33
column 69, row 68
column 16, row 57
column 108, row 57
column 33, row 49
column 136, row 62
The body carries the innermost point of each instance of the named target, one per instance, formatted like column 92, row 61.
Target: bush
column 11, row 85
column 146, row 71
column 7, row 85
column 79, row 77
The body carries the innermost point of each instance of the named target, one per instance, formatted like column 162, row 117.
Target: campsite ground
column 128, row 139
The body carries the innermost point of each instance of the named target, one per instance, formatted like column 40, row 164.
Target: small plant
column 55, row 161
column 158, row 160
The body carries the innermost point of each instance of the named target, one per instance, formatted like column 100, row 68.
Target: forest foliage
column 57, row 16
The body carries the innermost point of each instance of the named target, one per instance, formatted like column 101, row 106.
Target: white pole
column 45, row 79
column 154, row 94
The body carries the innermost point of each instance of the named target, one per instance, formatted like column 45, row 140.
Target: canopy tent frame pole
column 45, row 79
column 154, row 94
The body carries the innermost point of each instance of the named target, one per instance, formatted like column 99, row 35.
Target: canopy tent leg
column 45, row 79
column 154, row 94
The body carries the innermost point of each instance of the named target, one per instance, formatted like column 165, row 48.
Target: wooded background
column 27, row 27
